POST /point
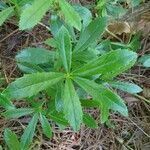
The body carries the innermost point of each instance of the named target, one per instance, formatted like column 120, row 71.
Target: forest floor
column 132, row 133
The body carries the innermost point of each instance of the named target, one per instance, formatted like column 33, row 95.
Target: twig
column 112, row 34
column 44, row 26
column 9, row 35
column 139, row 128
column 142, row 98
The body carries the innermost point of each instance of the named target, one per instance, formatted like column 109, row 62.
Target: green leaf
column 1, row 147
column 116, row 11
column 5, row 102
column 29, row 68
column 51, row 42
column 84, row 13
column 90, row 34
column 81, row 93
column 59, row 98
column 33, row 14
column 29, row 61
column 127, row 87
column 147, row 63
column 71, row 32
column 58, row 118
column 2, row 5
column 71, row 16
column 104, row 47
column 72, row 107
column 106, row 98
column 45, row 126
column 26, row 138
column 30, row 85
column 22, row 2
column 89, row 103
column 4, row 14
column 135, row 43
column 145, row 60
column 135, row 3
column 11, row 140
column 64, row 47
column 31, row 55
column 17, row 113
column 55, row 24
column 89, row 121
column 83, row 57
column 108, row 65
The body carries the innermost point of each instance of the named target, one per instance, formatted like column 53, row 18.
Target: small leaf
column 72, row 107
column 4, row 102
column 116, row 11
column 45, row 126
column 26, row 138
column 90, row 34
column 145, row 60
column 58, row 118
column 17, row 113
column 55, row 24
column 33, row 14
column 71, row 16
column 30, row 85
column 135, row 3
column 84, row 13
column 89, row 121
column 135, row 43
column 64, row 47
column 108, row 65
column 51, row 42
column 147, row 63
column 106, row 98
column 11, row 140
column 5, row 13
column 127, row 87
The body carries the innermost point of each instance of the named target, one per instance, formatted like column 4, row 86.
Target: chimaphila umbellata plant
column 59, row 76
column 57, row 84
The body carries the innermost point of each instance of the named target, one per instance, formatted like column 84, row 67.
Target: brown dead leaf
column 146, row 92
column 119, row 28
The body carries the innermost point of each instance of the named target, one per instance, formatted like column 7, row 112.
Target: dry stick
column 139, row 128
column 44, row 26
column 142, row 98
column 12, row 72
column 6, row 78
column 34, row 144
column 112, row 34
column 9, row 35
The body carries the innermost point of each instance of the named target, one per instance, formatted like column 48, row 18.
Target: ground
column 132, row 133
